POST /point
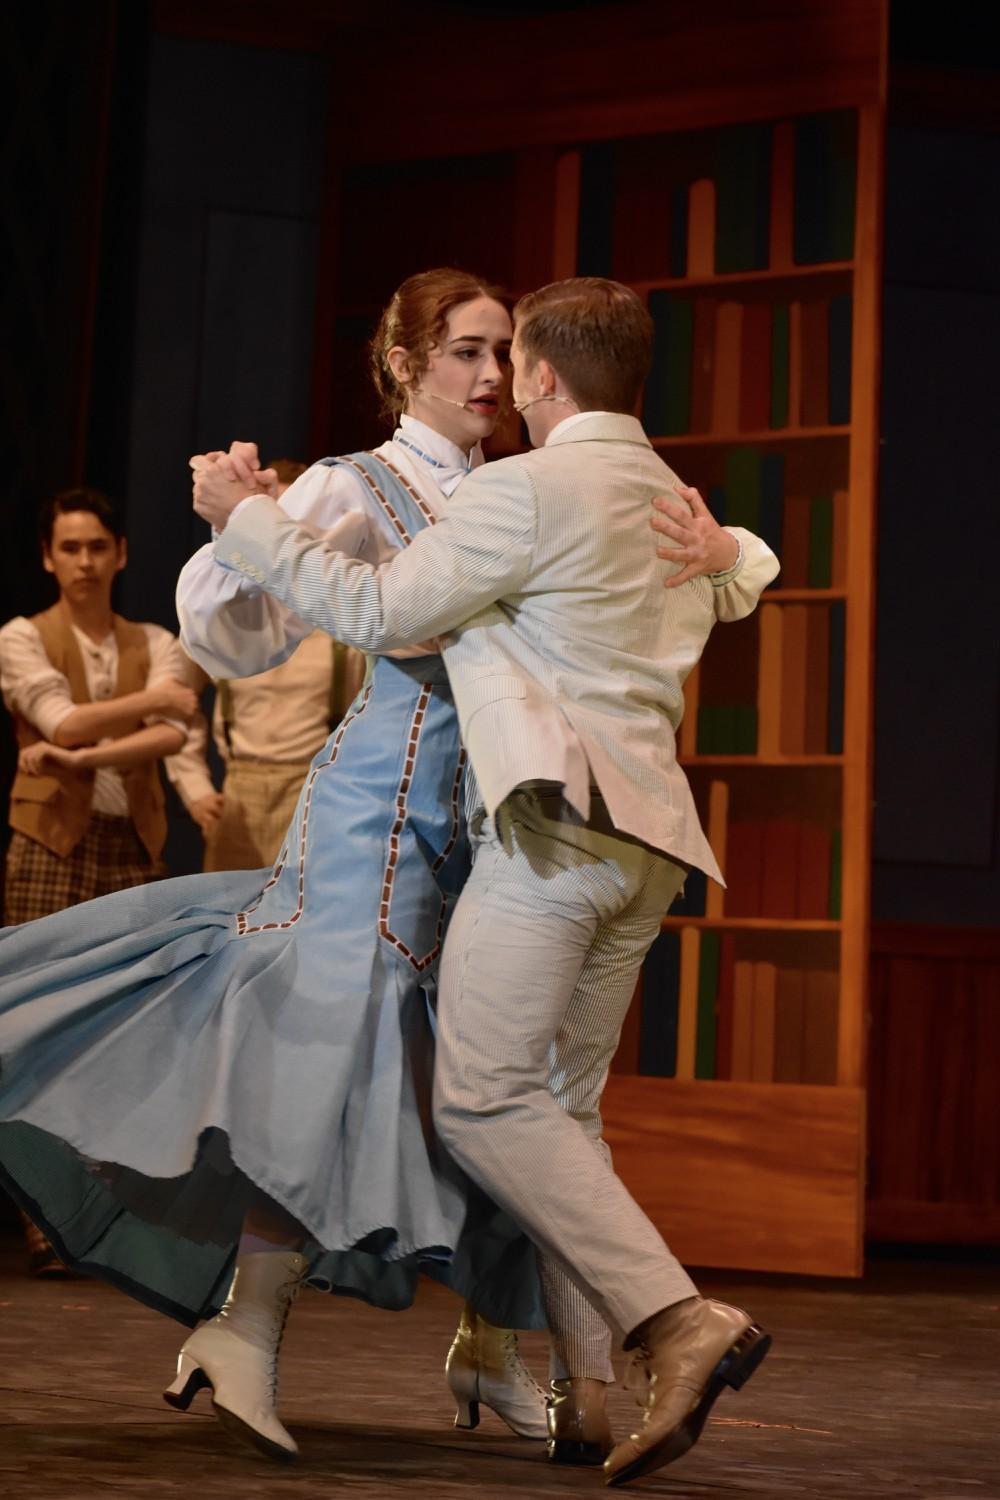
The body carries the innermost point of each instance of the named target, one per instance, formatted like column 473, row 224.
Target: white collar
column 570, row 421
column 435, row 449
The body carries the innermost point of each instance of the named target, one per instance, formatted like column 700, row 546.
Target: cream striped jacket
column 566, row 655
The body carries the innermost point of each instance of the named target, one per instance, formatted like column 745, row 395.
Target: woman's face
column 467, row 376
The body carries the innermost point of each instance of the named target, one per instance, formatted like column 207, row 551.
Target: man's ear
column 47, row 562
column 398, row 360
column 547, row 377
column 122, row 554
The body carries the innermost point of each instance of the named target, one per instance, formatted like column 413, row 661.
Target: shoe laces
column 639, row 1379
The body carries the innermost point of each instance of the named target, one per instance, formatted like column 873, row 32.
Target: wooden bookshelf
column 584, row 178
column 761, row 760
column 796, row 976
column 834, row 271
column 752, row 924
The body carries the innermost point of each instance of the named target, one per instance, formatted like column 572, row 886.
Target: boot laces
column 287, row 1293
column 515, row 1364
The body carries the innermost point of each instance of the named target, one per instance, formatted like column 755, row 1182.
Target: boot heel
column 744, row 1357
column 191, row 1379
column 467, row 1415
column 574, row 1451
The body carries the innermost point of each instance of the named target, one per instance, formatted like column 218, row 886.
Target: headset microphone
column 446, row 399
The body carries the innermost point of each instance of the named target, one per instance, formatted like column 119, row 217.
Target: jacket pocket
column 35, row 788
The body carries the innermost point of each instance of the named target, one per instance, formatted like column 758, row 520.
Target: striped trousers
column 539, row 967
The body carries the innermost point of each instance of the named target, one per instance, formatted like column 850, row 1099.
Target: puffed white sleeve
column 737, row 590
column 231, row 627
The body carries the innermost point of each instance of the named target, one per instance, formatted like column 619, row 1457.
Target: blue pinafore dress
column 165, row 1049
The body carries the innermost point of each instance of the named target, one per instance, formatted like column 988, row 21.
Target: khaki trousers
column 539, row 967
column 259, row 798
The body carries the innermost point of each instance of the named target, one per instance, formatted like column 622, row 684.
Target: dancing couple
column 236, row 1070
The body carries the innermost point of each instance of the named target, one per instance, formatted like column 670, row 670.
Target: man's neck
column 547, row 416
column 95, row 618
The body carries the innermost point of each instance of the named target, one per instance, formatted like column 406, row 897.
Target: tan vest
column 54, row 810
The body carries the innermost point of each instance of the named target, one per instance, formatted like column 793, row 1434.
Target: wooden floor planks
column 887, row 1387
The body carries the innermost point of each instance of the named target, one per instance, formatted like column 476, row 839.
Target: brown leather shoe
column 579, row 1430
column 684, row 1356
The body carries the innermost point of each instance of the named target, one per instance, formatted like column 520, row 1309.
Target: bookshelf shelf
column 753, row 924
column 731, row 281
column 761, row 760
column 750, row 439
column 802, row 596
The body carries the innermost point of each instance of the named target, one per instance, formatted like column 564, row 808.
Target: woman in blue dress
column 233, row 1070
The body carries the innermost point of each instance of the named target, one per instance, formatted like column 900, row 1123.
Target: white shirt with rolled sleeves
column 566, row 655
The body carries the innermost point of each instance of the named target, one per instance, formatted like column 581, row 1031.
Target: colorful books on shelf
column 725, row 366
column 784, row 868
column 596, row 215
column 813, row 542
column 756, row 197
column 708, row 1012
column 800, row 683
column 825, row 187
column 720, row 716
column 752, row 494
column 743, row 206
column 779, row 194
column 660, row 1004
column 667, row 405
column 727, row 729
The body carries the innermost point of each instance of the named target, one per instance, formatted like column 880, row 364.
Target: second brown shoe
column 579, row 1430
column 685, row 1356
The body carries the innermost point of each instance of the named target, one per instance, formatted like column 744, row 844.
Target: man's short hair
column 596, row 334
column 83, row 497
column 287, row 469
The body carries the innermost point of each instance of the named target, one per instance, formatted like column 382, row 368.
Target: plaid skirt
column 110, row 857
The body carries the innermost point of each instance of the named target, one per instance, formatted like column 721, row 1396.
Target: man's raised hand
column 701, row 544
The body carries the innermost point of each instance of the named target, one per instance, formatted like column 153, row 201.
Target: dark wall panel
column 259, row 301
column 938, row 683
column 937, row 839
column 233, row 191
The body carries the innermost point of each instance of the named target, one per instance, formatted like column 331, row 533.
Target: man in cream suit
column 566, row 661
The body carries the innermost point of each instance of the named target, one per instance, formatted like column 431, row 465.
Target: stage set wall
column 213, row 202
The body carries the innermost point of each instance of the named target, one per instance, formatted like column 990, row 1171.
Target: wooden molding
column 753, row 1176
column 599, row 73
column 920, row 1222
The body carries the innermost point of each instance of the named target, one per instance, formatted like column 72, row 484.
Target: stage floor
column 885, row 1388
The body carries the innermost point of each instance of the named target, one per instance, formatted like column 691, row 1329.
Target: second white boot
column 484, row 1364
column 236, row 1353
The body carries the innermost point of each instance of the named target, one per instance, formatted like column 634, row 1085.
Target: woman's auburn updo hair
column 416, row 319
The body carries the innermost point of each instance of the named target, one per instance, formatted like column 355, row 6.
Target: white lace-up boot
column 236, row 1353
column 484, row 1365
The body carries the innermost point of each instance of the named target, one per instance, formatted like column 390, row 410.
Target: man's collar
column 599, row 426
